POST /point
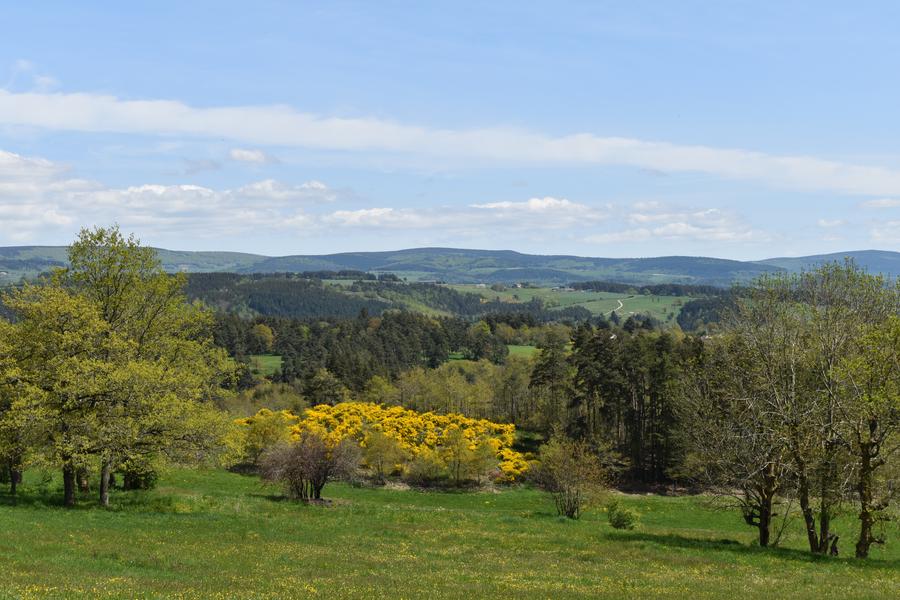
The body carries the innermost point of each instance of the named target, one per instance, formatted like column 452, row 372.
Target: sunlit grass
column 217, row 534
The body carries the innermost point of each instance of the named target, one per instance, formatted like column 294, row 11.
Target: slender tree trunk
column 809, row 518
column 69, row 485
column 766, row 504
column 824, row 524
column 15, row 476
column 864, row 488
column 105, row 472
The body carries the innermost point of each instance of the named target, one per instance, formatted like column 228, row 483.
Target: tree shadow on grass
column 725, row 545
column 50, row 499
column 271, row 497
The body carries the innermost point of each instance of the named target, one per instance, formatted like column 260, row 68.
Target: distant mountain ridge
column 470, row 266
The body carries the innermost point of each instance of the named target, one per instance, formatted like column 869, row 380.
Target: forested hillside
column 471, row 266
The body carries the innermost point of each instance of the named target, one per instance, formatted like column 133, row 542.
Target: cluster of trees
column 277, row 295
column 705, row 314
column 799, row 401
column 106, row 366
column 658, row 289
column 352, row 351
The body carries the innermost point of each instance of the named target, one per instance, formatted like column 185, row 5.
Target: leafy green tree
column 382, row 453
column 325, row 388
column 262, row 337
column 15, row 435
column 797, row 330
column 67, row 357
column 115, row 365
column 170, row 370
column 466, row 459
column 869, row 405
column 732, row 440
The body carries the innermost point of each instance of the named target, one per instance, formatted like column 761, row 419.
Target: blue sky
column 733, row 129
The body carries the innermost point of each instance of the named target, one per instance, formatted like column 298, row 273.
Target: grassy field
column 597, row 302
column 524, row 351
column 265, row 364
column 216, row 535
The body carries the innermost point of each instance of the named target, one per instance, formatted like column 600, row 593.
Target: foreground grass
column 216, row 534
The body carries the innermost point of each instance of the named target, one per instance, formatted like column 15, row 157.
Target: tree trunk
column 69, row 485
column 809, row 518
column 864, row 487
column 15, row 476
column 824, row 525
column 105, row 472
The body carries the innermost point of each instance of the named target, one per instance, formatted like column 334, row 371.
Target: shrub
column 621, row 517
column 139, row 474
column 306, row 465
column 571, row 472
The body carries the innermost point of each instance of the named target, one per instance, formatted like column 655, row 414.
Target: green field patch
column 524, row 351
column 265, row 364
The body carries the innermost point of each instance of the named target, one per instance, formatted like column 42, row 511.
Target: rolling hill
column 876, row 261
column 469, row 266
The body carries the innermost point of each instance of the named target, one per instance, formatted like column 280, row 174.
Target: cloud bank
column 284, row 126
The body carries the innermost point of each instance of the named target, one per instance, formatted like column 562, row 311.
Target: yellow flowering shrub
column 416, row 433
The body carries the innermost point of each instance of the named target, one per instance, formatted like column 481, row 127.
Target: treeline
column 352, row 351
column 348, row 274
column 705, row 314
column 659, row 289
column 281, row 295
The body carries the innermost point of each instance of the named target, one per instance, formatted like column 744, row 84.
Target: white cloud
column 655, row 221
column 271, row 190
column 882, row 203
column 533, row 214
column 37, row 196
column 250, row 156
column 282, row 125
column 829, row 223
column 887, row 232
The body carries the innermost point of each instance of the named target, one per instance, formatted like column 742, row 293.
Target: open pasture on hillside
column 213, row 534
column 265, row 364
column 599, row 303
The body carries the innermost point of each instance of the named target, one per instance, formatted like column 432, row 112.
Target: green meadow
column 265, row 364
column 599, row 303
column 214, row 534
